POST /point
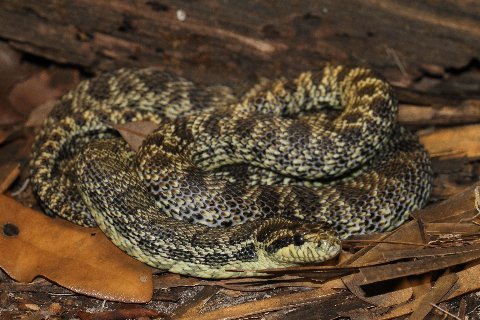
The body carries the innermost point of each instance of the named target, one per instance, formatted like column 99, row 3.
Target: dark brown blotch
column 366, row 90
column 182, row 130
column 211, row 124
column 363, row 74
column 352, row 117
column 380, row 106
column 245, row 126
column 299, row 132
column 343, row 74
column 268, row 200
column 157, row 81
column 307, row 200
column 195, row 177
column 99, row 88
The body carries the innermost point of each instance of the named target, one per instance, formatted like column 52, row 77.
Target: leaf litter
column 410, row 270
column 402, row 254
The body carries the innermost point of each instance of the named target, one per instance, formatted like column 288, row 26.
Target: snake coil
column 270, row 180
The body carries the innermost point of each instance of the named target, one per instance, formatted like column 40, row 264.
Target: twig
column 462, row 309
column 445, row 311
column 477, row 198
column 102, row 307
column 397, row 60
column 61, row 294
column 473, row 310
column 21, row 189
column 389, row 242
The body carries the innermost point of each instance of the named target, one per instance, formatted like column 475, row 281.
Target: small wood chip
column 32, row 306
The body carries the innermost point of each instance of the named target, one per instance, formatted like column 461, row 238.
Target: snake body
column 272, row 179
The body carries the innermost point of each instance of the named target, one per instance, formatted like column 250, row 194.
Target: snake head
column 287, row 242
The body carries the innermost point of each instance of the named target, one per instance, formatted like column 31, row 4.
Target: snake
column 229, row 185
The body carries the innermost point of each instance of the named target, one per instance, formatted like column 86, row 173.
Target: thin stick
column 445, row 311
column 389, row 242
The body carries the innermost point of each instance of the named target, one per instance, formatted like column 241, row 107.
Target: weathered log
column 223, row 41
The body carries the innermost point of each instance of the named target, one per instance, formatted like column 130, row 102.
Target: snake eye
column 298, row 239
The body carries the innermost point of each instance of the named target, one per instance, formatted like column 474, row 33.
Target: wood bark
column 233, row 42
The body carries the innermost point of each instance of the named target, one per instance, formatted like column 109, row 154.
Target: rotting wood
column 466, row 112
column 224, row 36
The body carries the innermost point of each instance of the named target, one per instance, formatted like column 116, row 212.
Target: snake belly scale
column 272, row 179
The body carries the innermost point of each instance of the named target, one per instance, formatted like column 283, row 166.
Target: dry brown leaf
column 469, row 280
column 458, row 207
column 7, row 133
column 441, row 287
column 39, row 114
column 10, row 73
column 80, row 259
column 8, row 174
column 399, row 292
column 404, row 238
column 424, row 297
column 135, row 132
column 271, row 304
column 128, row 313
column 401, row 310
column 43, row 86
column 453, row 142
column 172, row 280
column 192, row 308
column 364, row 313
column 9, row 67
column 438, row 252
column 263, row 284
column 409, row 232
column 415, row 267
column 455, row 207
column 462, row 228
column 421, row 285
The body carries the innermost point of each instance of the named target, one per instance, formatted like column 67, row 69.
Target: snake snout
column 303, row 244
column 328, row 243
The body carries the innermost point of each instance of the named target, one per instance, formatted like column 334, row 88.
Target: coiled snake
column 282, row 172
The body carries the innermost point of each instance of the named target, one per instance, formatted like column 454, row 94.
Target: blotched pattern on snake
column 268, row 180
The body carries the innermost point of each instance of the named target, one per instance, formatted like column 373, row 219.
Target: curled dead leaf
column 80, row 259
column 135, row 132
column 41, row 87
column 453, row 142
column 39, row 114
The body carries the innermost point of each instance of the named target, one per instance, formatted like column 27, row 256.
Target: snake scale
column 274, row 178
